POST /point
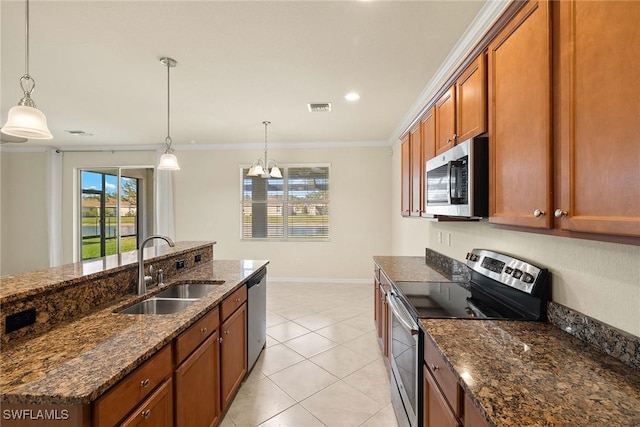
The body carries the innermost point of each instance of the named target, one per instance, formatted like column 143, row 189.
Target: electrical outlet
column 298, row 261
column 198, row 258
column 440, row 237
column 448, row 239
column 16, row 321
column 179, row 264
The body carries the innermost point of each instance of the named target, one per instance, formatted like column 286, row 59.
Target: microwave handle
column 449, row 167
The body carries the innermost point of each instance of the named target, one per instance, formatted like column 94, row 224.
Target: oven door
column 404, row 362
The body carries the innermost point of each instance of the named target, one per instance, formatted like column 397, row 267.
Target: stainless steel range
column 500, row 287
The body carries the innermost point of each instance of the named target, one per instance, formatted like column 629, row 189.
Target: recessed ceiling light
column 352, row 96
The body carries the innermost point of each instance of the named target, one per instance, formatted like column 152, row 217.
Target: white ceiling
column 96, row 64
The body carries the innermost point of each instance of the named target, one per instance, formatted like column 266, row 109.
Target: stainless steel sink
column 159, row 306
column 188, row 290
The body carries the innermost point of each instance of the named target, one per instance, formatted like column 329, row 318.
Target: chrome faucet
column 142, row 285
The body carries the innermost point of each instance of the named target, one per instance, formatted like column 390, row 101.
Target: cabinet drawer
column 443, row 376
column 190, row 339
column 232, row 302
column 437, row 412
column 156, row 411
column 128, row 393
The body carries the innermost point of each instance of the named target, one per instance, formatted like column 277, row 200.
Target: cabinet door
column 520, row 161
column 445, row 110
column 405, row 149
column 428, row 131
column 600, row 117
column 437, row 412
column 233, row 354
column 156, row 411
column 197, row 383
column 471, row 99
column 472, row 415
column 417, row 169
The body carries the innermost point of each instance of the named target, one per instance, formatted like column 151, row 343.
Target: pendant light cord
column 26, row 44
column 168, row 139
column 26, row 81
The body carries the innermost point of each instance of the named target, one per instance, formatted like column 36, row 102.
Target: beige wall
column 601, row 280
column 207, row 200
column 23, row 212
column 207, row 207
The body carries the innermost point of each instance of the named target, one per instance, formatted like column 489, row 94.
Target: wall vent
column 319, row 107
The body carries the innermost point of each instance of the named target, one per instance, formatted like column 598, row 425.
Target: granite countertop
column 47, row 279
column 534, row 374
column 77, row 361
column 410, row 269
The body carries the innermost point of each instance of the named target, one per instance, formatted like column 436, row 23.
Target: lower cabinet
column 381, row 309
column 156, row 411
column 197, row 385
column 444, row 402
column 233, row 354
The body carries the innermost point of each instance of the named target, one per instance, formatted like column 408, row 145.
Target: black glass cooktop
column 447, row 300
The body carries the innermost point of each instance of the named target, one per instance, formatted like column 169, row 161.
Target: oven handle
column 449, row 167
column 402, row 315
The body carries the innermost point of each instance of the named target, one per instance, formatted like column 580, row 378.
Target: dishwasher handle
column 257, row 278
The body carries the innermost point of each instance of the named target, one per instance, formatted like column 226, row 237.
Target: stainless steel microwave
column 457, row 181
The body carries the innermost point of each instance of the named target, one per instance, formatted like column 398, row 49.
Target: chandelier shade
column 262, row 167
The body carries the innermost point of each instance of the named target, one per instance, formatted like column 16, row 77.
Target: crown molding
column 484, row 20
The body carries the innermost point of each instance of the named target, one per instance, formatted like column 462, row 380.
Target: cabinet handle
column 203, row 330
column 434, row 367
column 145, row 383
column 538, row 213
column 237, row 299
column 226, row 332
column 146, row 413
column 559, row 213
column 220, row 340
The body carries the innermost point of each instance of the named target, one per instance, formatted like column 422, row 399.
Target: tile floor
column 322, row 365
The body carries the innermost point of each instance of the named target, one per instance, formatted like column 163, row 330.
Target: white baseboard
column 317, row 280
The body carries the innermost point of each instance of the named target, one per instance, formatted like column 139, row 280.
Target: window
column 109, row 217
column 295, row 207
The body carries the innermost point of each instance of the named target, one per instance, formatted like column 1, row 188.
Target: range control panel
column 506, row 269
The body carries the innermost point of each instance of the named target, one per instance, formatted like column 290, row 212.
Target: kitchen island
column 78, row 360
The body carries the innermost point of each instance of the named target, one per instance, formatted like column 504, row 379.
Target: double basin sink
column 173, row 299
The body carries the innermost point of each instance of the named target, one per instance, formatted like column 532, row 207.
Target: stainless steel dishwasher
column 257, row 316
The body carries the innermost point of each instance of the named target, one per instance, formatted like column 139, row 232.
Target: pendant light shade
column 25, row 120
column 260, row 167
column 168, row 161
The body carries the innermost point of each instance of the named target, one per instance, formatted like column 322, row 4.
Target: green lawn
column 91, row 247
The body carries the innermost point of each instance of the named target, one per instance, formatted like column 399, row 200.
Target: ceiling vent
column 319, row 107
column 79, row 133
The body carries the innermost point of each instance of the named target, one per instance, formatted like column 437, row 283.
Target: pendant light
column 261, row 167
column 168, row 161
column 25, row 120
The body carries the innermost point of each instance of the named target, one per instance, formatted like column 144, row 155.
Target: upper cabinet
column 471, row 99
column 599, row 120
column 445, row 109
column 520, row 162
column 405, row 159
column 417, row 171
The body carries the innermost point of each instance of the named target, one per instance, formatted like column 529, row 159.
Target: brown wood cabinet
column 197, row 377
column 417, row 171
column 445, row 120
column 471, row 100
column 197, row 385
column 428, row 131
column 520, row 160
column 599, row 167
column 405, row 157
column 156, row 411
column 233, row 352
column 437, row 412
column 472, row 415
column 382, row 311
column 129, row 393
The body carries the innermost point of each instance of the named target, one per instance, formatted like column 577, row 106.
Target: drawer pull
column 226, row 332
column 237, row 299
column 204, row 330
column 145, row 383
column 434, row 367
column 145, row 414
